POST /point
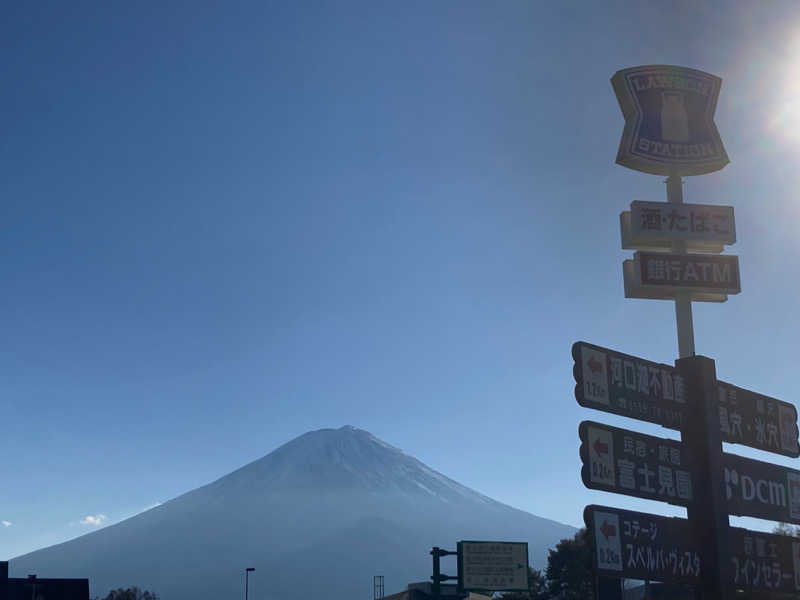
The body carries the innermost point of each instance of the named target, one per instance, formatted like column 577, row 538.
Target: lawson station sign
column 669, row 120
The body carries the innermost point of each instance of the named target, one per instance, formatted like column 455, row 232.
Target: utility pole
column 247, row 572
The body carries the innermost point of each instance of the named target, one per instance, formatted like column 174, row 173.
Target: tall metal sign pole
column 683, row 300
column 669, row 130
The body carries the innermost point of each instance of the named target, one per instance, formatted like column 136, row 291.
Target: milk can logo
column 669, row 120
column 674, row 119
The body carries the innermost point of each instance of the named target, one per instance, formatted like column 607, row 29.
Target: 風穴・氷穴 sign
column 669, row 120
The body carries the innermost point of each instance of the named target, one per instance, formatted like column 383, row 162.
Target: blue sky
column 223, row 225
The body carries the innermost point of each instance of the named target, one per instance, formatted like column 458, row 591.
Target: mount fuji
column 317, row 517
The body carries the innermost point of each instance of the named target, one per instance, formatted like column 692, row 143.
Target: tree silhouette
column 569, row 568
column 132, row 593
column 537, row 588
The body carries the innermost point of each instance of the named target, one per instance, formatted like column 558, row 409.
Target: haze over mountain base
column 321, row 514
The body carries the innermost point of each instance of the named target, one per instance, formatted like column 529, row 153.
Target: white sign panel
column 595, row 380
column 493, row 566
column 609, row 549
column 601, row 456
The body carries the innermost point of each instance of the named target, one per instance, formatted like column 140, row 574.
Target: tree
column 569, row 568
column 133, row 593
column 537, row 588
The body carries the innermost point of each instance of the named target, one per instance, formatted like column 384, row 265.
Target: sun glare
column 784, row 120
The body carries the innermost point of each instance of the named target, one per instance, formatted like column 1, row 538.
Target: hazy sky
column 223, row 225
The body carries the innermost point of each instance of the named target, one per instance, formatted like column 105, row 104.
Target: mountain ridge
column 342, row 495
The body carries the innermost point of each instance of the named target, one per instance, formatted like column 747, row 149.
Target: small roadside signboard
column 626, row 462
column 492, row 566
column 669, row 120
column 633, row 387
column 638, row 545
column 763, row 490
column 655, row 225
column 673, row 273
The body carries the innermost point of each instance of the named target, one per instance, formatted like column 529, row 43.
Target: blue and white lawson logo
column 669, row 120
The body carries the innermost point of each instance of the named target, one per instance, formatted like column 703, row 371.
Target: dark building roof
column 33, row 588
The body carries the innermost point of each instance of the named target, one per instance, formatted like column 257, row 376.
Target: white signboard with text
column 493, row 566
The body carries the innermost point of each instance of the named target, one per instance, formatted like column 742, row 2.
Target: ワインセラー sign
column 704, row 273
column 640, row 389
column 638, row 545
column 626, row 462
column 669, row 120
column 758, row 489
column 492, row 566
column 704, row 227
column 764, row 561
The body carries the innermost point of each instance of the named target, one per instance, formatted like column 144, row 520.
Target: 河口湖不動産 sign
column 630, row 386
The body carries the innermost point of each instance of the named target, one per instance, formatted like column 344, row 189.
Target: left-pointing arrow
column 594, row 365
column 608, row 530
column 600, row 448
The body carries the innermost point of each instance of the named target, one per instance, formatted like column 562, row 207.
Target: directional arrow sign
column 764, row 562
column 637, row 545
column 626, row 462
column 640, row 389
column 493, row 566
column 643, row 546
column 757, row 420
column 759, row 489
column 629, row 386
column 669, row 120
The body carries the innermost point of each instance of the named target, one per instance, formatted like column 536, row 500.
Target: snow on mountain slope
column 322, row 513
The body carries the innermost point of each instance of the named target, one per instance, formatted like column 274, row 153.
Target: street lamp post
column 246, row 580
